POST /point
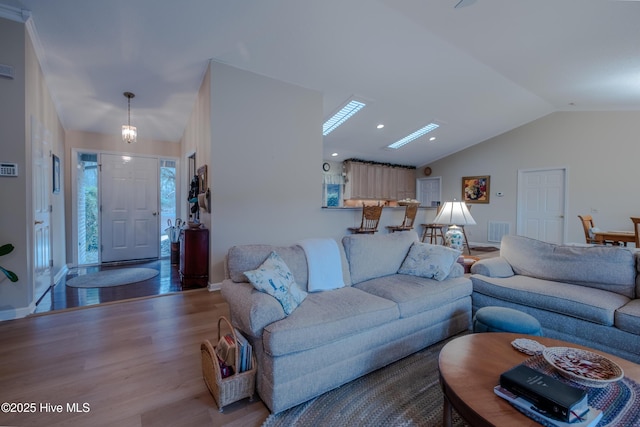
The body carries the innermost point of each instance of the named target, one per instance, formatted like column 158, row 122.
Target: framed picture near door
column 475, row 189
column 56, row 174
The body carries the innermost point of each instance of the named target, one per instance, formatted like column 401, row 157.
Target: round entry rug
column 116, row 277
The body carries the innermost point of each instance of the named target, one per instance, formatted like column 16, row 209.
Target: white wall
column 600, row 150
column 13, row 191
column 266, row 162
column 27, row 96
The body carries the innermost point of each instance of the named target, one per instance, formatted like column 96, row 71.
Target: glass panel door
column 168, row 206
column 87, row 209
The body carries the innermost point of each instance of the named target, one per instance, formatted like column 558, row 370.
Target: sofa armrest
column 492, row 267
column 251, row 310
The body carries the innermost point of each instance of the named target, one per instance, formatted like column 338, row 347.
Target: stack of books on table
column 546, row 400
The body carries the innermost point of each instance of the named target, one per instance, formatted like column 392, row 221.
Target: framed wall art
column 475, row 189
column 203, row 184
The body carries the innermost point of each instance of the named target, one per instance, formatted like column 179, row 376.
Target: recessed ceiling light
column 433, row 138
column 380, row 126
column 417, row 134
column 334, row 154
column 342, row 116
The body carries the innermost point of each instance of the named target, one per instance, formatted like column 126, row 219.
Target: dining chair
column 636, row 229
column 370, row 220
column 588, row 225
column 410, row 212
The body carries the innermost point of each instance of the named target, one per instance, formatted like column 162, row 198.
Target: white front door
column 542, row 204
column 41, row 159
column 129, row 206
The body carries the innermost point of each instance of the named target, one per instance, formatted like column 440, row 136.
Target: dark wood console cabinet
column 194, row 257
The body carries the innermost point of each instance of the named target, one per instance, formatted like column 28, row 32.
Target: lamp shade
column 454, row 213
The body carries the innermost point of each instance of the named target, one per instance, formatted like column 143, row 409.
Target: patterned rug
column 113, row 277
column 405, row 393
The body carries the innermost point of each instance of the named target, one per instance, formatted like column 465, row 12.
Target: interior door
column 542, row 204
column 129, row 207
column 429, row 191
column 40, row 160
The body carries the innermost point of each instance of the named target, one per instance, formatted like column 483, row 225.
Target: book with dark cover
column 554, row 397
column 589, row 419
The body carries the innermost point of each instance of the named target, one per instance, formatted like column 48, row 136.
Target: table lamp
column 454, row 214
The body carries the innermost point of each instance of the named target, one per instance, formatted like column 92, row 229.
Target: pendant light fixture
column 129, row 133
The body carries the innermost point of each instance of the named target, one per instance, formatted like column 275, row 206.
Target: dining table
column 616, row 237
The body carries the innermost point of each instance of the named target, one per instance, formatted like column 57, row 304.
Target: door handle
column 155, row 213
column 38, row 222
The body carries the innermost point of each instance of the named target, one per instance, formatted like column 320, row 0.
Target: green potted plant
column 5, row 249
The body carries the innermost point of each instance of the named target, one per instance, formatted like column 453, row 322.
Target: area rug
column 405, row 393
column 115, row 277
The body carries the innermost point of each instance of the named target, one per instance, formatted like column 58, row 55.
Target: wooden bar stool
column 432, row 232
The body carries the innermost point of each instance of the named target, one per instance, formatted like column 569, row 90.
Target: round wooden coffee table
column 470, row 366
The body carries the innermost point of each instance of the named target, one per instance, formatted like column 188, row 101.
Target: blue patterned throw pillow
column 430, row 261
column 274, row 278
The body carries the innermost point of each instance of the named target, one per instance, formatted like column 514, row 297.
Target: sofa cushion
column 248, row 257
column 627, row 317
column 603, row 267
column 326, row 317
column 430, row 261
column 492, row 267
column 594, row 305
column 415, row 294
column 379, row 255
column 274, row 278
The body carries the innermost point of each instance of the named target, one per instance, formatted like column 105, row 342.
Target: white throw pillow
column 274, row 278
column 430, row 261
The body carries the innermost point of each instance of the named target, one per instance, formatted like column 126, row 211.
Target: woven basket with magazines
column 234, row 387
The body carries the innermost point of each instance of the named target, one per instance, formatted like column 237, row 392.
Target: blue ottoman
column 502, row 319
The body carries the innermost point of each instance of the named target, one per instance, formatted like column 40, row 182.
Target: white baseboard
column 214, row 286
column 17, row 313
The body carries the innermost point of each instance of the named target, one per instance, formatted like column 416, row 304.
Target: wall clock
column 326, row 167
column 427, row 171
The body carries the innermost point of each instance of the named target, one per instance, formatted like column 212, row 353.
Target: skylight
column 341, row 116
column 417, row 134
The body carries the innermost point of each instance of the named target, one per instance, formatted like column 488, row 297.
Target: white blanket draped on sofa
column 324, row 264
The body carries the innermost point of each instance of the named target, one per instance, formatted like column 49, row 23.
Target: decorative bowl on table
column 582, row 366
column 194, row 224
column 407, row 202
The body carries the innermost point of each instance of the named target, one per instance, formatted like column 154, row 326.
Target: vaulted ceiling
column 478, row 70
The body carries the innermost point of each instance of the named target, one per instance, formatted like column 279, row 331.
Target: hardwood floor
column 62, row 296
column 133, row 363
column 129, row 363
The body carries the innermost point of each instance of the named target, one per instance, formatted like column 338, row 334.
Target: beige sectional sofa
column 583, row 294
column 335, row 336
